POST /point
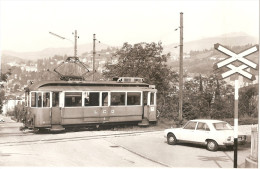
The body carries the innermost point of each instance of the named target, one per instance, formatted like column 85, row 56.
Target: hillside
column 232, row 39
column 9, row 58
column 201, row 62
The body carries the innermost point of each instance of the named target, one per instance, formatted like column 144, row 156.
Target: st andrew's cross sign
column 233, row 57
column 236, row 57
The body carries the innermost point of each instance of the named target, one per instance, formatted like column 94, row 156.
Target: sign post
column 236, row 70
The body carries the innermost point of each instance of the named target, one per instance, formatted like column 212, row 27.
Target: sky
column 25, row 25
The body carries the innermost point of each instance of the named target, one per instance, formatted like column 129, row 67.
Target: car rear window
column 222, row 126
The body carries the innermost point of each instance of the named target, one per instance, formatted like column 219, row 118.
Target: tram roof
column 84, row 85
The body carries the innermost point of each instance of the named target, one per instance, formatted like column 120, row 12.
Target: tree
column 147, row 61
column 4, row 77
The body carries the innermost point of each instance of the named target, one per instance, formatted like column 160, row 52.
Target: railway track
column 45, row 140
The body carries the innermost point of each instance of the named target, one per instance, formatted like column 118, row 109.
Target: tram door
column 149, row 110
column 56, row 109
column 146, row 106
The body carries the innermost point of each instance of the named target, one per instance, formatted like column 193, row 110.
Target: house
column 11, row 101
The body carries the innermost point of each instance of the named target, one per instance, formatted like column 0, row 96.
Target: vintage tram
column 57, row 105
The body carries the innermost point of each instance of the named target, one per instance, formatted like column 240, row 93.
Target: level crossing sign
column 236, row 57
column 234, row 69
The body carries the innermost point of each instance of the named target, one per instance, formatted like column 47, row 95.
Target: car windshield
column 222, row 126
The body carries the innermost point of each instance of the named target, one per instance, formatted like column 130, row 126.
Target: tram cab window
column 117, row 98
column 36, row 99
column 73, row 99
column 133, row 98
column 91, row 99
column 55, row 99
column 46, row 99
column 104, row 98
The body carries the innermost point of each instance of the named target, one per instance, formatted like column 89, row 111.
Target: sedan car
column 212, row 133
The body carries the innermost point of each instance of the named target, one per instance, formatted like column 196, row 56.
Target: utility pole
column 181, row 68
column 75, row 46
column 94, row 53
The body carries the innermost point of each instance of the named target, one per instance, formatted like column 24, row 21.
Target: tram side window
column 55, row 99
column 33, row 99
column 152, row 99
column 73, row 99
column 133, row 98
column 117, row 98
column 92, row 99
column 104, row 98
column 46, row 99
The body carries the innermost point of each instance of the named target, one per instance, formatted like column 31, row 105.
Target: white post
column 236, row 122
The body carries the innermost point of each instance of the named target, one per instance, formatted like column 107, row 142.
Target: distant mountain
column 231, row 39
column 50, row 52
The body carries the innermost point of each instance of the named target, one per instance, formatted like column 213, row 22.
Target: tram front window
column 38, row 99
column 73, row 99
column 46, row 99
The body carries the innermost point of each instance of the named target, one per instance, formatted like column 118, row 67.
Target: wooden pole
column 181, row 68
column 94, row 53
column 75, row 45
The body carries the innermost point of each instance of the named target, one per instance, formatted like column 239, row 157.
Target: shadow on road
column 216, row 160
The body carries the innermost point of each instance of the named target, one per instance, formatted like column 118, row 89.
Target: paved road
column 105, row 149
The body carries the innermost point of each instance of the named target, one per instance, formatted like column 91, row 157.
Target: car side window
column 190, row 125
column 203, row 127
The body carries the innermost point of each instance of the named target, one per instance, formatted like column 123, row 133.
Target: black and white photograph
column 131, row 83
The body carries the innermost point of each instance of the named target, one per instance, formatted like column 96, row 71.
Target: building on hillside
column 11, row 101
column 29, row 68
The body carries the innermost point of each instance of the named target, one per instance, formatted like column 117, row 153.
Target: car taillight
column 229, row 138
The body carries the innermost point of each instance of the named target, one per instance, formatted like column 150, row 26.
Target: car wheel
column 212, row 145
column 171, row 139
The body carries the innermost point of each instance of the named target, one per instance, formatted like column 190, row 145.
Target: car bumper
column 240, row 141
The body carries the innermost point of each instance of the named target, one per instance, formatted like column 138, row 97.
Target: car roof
column 207, row 120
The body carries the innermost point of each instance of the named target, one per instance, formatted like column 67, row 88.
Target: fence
column 254, row 143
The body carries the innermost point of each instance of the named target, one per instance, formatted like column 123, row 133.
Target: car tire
column 171, row 139
column 212, row 145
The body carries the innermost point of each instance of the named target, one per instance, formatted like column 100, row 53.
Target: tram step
column 57, row 128
column 145, row 122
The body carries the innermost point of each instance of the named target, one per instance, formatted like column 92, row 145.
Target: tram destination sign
column 236, row 57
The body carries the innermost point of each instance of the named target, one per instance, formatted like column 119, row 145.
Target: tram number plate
column 152, row 108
